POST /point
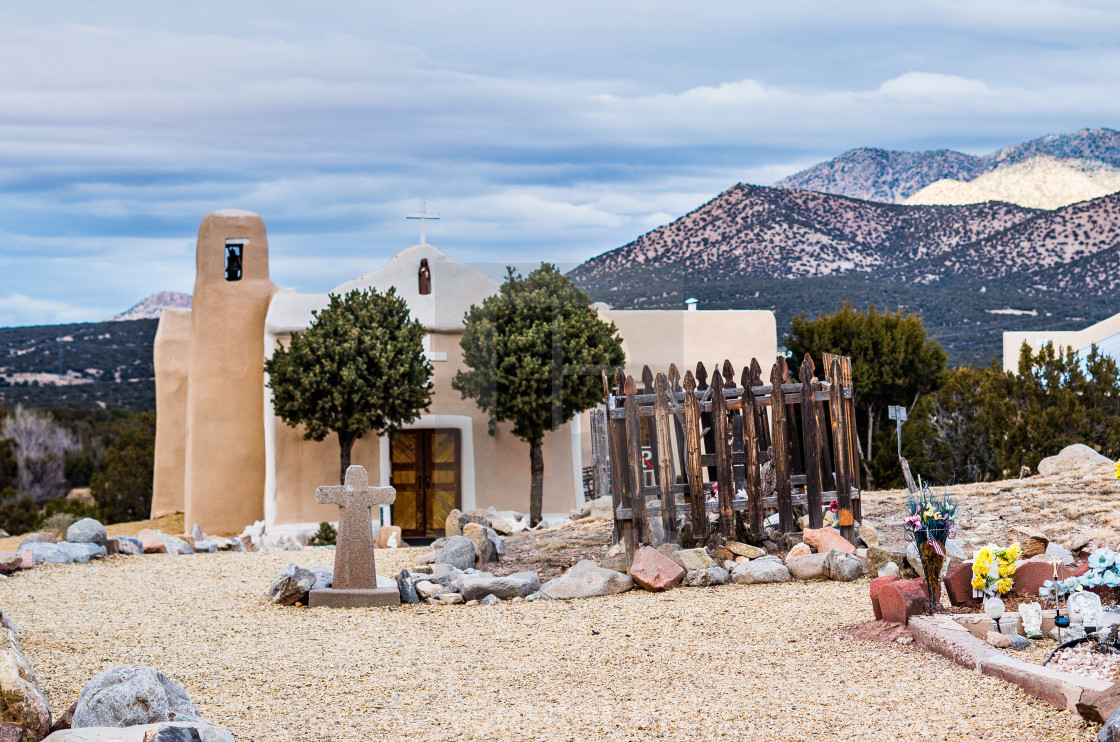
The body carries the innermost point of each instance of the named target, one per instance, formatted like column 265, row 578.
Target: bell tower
column 225, row 458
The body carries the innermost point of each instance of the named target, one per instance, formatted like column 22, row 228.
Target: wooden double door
column 427, row 474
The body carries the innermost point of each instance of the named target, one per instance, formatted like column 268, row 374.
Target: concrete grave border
column 952, row 637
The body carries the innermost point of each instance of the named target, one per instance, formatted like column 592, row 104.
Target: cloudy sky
column 537, row 131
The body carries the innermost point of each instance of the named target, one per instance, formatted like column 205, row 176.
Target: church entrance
column 427, row 474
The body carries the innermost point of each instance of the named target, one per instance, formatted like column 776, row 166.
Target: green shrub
column 78, row 508
column 18, row 515
column 58, row 523
column 325, row 536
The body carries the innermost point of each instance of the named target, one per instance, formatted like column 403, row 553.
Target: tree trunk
column 345, row 443
column 870, row 427
column 536, row 482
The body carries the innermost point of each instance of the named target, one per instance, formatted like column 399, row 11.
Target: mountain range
column 971, row 271
column 153, row 306
column 892, row 176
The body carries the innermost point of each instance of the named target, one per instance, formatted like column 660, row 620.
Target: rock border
column 950, row 638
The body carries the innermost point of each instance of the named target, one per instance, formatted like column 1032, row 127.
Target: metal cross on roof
column 423, row 216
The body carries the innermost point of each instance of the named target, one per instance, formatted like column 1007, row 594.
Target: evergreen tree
column 360, row 367
column 535, row 352
column 893, row 363
column 1056, row 399
column 122, row 489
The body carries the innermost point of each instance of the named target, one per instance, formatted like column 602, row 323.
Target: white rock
column 1071, row 459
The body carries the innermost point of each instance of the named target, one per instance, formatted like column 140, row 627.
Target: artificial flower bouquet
column 992, row 569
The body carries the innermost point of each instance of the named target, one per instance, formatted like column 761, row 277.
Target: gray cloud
column 557, row 132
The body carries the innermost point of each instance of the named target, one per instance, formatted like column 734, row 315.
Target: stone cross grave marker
column 355, row 574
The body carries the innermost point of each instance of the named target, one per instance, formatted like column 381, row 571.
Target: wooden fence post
column 665, row 478
column 723, row 456
column 599, row 457
column 637, row 488
column 651, row 433
column 762, row 424
column 780, row 462
column 840, row 445
column 751, row 433
column 620, row 469
column 850, row 419
column 695, row 471
column 811, row 437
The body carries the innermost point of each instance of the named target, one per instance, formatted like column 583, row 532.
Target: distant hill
column 962, row 267
column 1040, row 182
column 892, row 177
column 153, row 306
column 102, row 364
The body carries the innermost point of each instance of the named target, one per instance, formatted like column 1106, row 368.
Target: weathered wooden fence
column 676, row 452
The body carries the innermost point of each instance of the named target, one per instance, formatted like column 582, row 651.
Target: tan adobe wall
column 225, row 406
column 172, row 356
column 1076, row 339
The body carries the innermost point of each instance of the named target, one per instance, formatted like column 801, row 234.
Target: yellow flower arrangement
column 1004, row 561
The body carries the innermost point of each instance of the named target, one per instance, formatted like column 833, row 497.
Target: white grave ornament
column 1085, row 609
column 1031, row 614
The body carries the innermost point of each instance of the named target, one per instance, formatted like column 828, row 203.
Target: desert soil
column 760, row 662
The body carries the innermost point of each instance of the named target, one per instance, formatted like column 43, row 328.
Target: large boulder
column 1077, row 458
column 65, row 552
column 40, row 537
column 291, row 587
column 87, row 531
column 459, row 552
column 586, row 580
column 745, row 550
column 825, row 540
column 877, row 556
column 175, row 731
column 602, row 508
column 127, row 695
column 654, row 571
column 176, row 545
column 706, row 577
column 324, row 577
column 691, row 559
column 809, row 567
column 842, row 567
column 765, row 569
column 21, row 700
column 517, row 585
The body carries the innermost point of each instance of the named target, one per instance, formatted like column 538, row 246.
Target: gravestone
column 355, row 574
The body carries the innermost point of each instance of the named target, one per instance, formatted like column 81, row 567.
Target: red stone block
column 958, row 585
column 903, row 599
column 877, row 586
column 1030, row 576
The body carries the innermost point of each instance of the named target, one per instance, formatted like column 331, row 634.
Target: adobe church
column 225, row 459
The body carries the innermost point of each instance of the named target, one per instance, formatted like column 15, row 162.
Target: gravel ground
column 759, row 662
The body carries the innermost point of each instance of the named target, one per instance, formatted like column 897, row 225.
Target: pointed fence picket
column 708, row 442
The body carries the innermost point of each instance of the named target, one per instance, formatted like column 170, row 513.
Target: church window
column 234, row 250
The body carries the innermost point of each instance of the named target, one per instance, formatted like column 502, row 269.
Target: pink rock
column 799, row 550
column 825, row 540
column 998, row 640
column 28, row 558
column 10, row 561
column 654, row 571
column 151, row 541
column 877, row 586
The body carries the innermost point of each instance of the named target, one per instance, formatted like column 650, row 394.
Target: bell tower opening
column 234, row 257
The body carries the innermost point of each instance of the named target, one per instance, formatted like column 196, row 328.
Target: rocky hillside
column 102, row 364
column 153, row 306
column 961, row 266
column 892, row 177
column 1041, row 182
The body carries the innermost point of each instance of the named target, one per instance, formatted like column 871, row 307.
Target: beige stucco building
column 1104, row 334
column 225, row 459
